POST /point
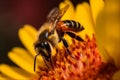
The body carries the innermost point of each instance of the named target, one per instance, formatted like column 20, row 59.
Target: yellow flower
column 86, row 64
column 108, row 28
column 22, row 57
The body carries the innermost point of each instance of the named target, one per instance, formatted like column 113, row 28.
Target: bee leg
column 66, row 45
column 73, row 35
column 48, row 62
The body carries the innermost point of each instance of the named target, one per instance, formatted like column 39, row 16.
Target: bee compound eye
column 38, row 45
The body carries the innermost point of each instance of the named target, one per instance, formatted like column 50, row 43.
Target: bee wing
column 63, row 10
column 55, row 15
column 52, row 14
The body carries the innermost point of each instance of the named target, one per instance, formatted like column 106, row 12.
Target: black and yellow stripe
column 74, row 25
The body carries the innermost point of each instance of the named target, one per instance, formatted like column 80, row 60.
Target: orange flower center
column 84, row 63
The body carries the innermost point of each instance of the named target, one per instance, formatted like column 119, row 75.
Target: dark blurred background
column 15, row 13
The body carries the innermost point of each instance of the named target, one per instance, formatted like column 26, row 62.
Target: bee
column 52, row 32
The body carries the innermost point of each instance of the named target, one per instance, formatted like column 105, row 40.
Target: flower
column 109, row 20
column 84, row 63
column 22, row 57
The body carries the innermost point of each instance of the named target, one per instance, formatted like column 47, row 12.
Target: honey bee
column 52, row 32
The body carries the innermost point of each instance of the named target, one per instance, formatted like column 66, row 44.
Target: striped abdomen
column 74, row 25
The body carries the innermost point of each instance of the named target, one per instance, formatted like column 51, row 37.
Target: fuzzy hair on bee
column 52, row 32
column 45, row 42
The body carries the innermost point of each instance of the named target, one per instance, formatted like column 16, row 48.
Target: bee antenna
column 35, row 62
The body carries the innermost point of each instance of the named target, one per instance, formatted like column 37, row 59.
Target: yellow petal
column 22, row 59
column 31, row 30
column 27, row 39
column 96, row 8
column 24, row 54
column 83, row 15
column 14, row 72
column 69, row 15
column 116, row 76
column 3, row 77
column 108, row 30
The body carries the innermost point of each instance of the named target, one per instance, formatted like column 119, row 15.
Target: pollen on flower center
column 83, row 63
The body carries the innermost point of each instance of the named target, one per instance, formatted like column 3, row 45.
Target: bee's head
column 44, row 49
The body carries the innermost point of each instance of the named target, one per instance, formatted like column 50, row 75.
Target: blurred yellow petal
column 3, row 77
column 22, row 59
column 27, row 39
column 14, row 72
column 24, row 56
column 96, row 8
column 108, row 30
column 83, row 15
column 23, row 53
column 116, row 76
column 69, row 15
column 31, row 30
